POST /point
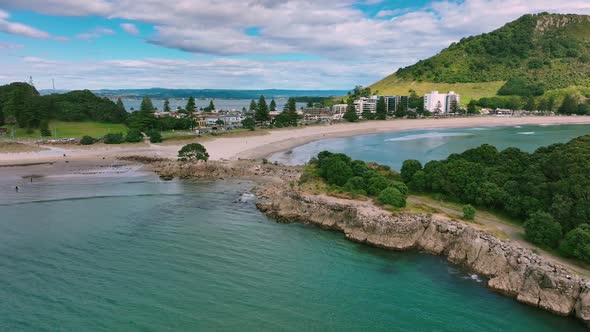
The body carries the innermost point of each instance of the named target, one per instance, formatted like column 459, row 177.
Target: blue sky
column 239, row 44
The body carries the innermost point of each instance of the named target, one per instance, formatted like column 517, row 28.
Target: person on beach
column 16, row 188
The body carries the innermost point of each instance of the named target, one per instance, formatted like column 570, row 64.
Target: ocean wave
column 517, row 126
column 426, row 136
column 478, row 128
column 526, row 133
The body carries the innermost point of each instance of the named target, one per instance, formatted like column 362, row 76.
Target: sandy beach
column 264, row 145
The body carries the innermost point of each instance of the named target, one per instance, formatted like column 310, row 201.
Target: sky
column 238, row 44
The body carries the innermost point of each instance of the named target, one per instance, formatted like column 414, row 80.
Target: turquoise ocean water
column 132, row 253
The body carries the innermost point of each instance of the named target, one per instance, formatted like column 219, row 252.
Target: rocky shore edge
column 510, row 269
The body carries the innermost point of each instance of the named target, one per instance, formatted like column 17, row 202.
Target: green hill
column 527, row 57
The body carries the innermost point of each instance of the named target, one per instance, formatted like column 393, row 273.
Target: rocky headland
column 510, row 269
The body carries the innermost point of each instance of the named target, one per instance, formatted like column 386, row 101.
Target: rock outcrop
column 511, row 270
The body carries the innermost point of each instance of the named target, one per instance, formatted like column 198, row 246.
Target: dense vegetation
column 357, row 178
column 533, row 54
column 21, row 105
column 216, row 93
column 549, row 189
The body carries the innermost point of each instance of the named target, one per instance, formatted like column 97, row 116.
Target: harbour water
column 128, row 252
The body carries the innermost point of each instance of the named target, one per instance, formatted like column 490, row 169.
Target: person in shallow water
column 16, row 188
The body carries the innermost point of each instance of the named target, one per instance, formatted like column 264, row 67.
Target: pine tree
column 261, row 114
column 166, row 105
column 190, row 105
column 253, row 106
column 273, row 106
column 350, row 114
column 146, row 105
column 381, row 111
column 472, row 107
column 211, row 106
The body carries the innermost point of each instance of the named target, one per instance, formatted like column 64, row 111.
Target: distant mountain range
column 209, row 93
column 529, row 56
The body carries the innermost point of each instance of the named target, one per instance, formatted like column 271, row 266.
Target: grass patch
column 65, row 129
column 391, row 85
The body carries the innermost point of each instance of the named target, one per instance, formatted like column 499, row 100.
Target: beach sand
column 269, row 142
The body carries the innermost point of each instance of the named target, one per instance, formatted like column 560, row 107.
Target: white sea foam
column 478, row 128
column 517, row 126
column 526, row 133
column 425, row 136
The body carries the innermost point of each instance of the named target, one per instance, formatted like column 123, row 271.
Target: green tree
column 541, row 229
column 577, row 243
column 338, row 172
column 133, row 136
column 193, row 151
column 44, row 128
column 392, row 196
column 113, row 138
column 376, row 184
column 381, row 111
column 146, row 105
column 409, row 168
column 569, row 105
column 350, row 114
column 87, row 140
column 454, row 106
column 472, row 107
column 121, row 106
column 273, row 106
column 166, row 105
column 309, row 103
column 468, row 212
column 530, row 104
column 253, row 106
column 262, row 113
column 190, row 105
column 211, row 106
column 418, row 182
column 249, row 123
column 155, row 136
column 551, row 103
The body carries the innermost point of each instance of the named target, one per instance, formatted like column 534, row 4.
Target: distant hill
column 216, row 93
column 527, row 57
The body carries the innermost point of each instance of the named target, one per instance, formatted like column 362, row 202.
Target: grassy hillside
column 468, row 91
column 73, row 129
column 531, row 55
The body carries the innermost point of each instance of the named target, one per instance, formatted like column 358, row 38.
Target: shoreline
column 272, row 141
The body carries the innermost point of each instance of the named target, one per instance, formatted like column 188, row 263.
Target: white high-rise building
column 440, row 103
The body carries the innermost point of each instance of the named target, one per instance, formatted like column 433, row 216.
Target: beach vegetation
column 468, row 212
column 113, row 138
column 155, row 136
column 548, row 190
column 133, row 136
column 193, row 151
column 87, row 140
column 392, row 196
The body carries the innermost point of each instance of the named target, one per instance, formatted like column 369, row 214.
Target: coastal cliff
column 511, row 270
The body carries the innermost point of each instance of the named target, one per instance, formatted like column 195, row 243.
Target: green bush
column 376, row 184
column 392, row 196
column 541, row 229
column 355, row 183
column 468, row 212
column 418, row 182
column 155, row 136
column 577, row 243
column 337, row 171
column 113, row 138
column 409, row 168
column 134, row 136
column 193, row 151
column 87, row 140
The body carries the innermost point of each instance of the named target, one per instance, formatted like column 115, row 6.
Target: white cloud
column 340, row 34
column 130, row 28
column 95, row 33
column 15, row 28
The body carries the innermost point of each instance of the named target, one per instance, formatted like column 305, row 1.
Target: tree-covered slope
column 533, row 54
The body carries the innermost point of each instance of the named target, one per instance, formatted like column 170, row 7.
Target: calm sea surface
column 132, row 253
column 425, row 145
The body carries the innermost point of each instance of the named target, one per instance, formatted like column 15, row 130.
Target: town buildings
column 441, row 103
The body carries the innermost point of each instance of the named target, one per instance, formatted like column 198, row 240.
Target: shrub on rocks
column 87, row 140
column 468, row 212
column 541, row 229
column 392, row 196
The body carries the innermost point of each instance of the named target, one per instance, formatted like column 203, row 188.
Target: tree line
column 549, row 189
